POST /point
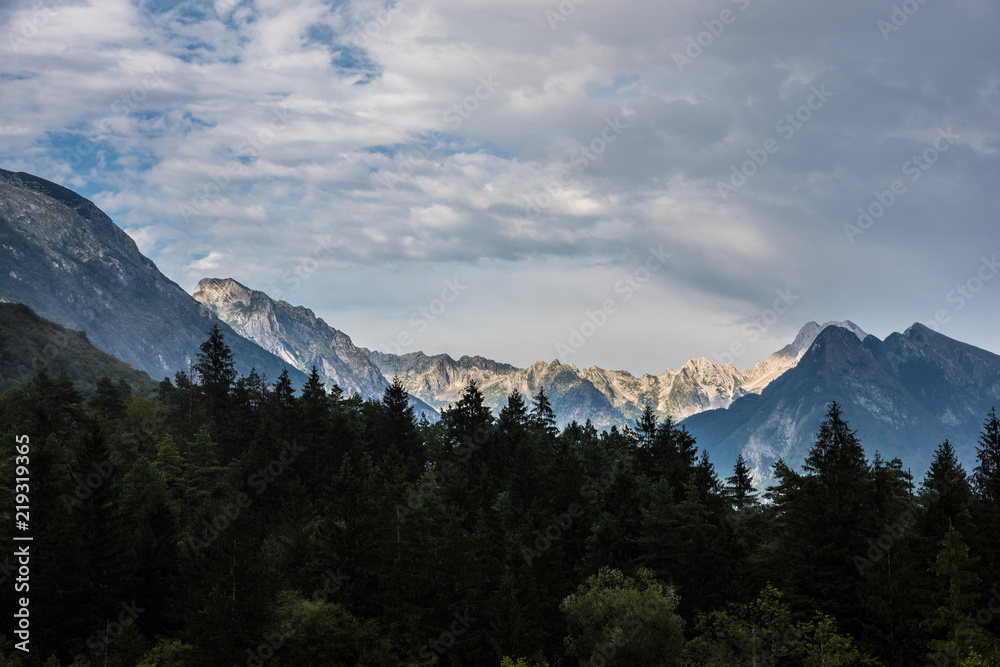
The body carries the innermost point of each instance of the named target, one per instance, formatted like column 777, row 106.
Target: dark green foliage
column 615, row 620
column 740, row 488
column 987, row 473
column 216, row 372
column 28, row 341
column 242, row 523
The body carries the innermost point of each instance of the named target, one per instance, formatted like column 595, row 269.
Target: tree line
column 229, row 520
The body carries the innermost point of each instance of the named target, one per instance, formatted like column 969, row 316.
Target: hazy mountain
column 700, row 384
column 27, row 340
column 904, row 396
column 297, row 336
column 66, row 259
column 440, row 380
column 768, row 370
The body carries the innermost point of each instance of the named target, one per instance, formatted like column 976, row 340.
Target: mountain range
column 298, row 337
column 69, row 262
column 903, row 395
column 605, row 397
column 66, row 259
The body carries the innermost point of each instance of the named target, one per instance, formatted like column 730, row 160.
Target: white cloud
column 271, row 124
column 211, row 261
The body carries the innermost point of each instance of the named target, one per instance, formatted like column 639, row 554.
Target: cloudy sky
column 667, row 179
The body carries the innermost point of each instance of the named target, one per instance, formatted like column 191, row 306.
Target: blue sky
column 355, row 157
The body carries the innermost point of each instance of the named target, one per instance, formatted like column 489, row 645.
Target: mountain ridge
column 604, row 397
column 296, row 335
column 916, row 387
column 73, row 265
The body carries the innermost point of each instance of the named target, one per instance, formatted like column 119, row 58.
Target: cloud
column 434, row 133
column 211, row 261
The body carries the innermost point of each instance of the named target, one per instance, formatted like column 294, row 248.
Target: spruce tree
column 109, row 399
column 986, row 478
column 987, row 472
column 823, row 522
column 542, row 414
column 955, row 596
column 740, row 489
column 216, row 370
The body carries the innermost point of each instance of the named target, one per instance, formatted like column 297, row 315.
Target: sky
column 625, row 184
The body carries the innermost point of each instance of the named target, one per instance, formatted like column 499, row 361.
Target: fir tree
column 987, row 472
column 955, row 597
column 740, row 489
column 541, row 412
column 216, row 371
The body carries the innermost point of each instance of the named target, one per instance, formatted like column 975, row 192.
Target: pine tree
column 956, row 578
column 169, row 461
column 886, row 588
column 395, row 428
column 216, row 371
column 542, row 414
column 987, row 472
column 645, row 428
column 822, row 522
column 740, row 489
column 946, row 494
column 469, row 422
column 109, row 399
column 986, row 506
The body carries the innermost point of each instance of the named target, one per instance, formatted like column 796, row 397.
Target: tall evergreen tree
column 823, row 527
column 945, row 494
column 110, row 399
column 740, row 489
column 986, row 507
column 216, row 371
column 987, row 472
column 956, row 599
column 541, row 412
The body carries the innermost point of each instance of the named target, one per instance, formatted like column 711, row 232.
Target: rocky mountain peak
column 293, row 333
column 808, row 333
column 68, row 261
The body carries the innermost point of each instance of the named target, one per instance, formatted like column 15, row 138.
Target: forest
column 233, row 520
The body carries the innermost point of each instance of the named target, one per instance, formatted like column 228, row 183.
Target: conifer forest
column 222, row 520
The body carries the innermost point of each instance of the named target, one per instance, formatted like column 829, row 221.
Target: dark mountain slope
column 904, row 396
column 66, row 259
